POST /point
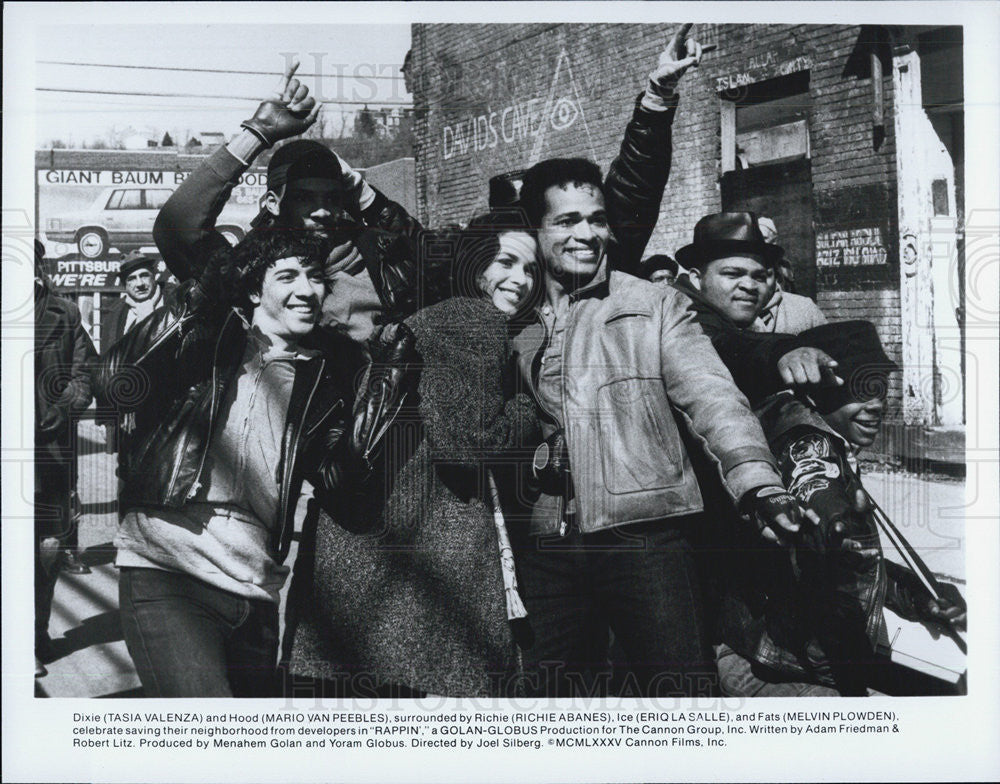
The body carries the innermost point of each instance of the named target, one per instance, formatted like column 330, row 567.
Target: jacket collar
column 784, row 410
column 767, row 313
column 599, row 286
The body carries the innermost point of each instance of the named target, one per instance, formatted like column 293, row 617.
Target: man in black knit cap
column 371, row 269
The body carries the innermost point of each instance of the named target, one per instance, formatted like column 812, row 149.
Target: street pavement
column 91, row 659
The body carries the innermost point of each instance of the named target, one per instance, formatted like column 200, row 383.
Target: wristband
column 657, row 99
column 248, row 125
column 663, row 90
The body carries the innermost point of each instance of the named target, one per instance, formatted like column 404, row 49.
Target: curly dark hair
column 555, row 171
column 241, row 269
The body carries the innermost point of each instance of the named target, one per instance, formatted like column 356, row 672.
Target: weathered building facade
column 850, row 137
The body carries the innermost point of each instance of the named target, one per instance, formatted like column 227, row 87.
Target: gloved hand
column 388, row 382
column 354, row 184
column 550, row 465
column 907, row 597
column 681, row 53
column 776, row 513
column 289, row 113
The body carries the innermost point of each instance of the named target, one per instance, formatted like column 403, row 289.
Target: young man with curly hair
column 230, row 398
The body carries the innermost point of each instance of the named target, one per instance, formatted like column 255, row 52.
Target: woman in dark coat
column 419, row 605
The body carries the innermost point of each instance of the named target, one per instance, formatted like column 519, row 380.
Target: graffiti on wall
column 854, row 247
column 766, row 65
column 521, row 121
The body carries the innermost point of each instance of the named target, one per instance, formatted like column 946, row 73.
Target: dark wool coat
column 63, row 354
column 113, row 321
column 420, row 603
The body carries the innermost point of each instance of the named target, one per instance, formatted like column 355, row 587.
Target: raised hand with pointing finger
column 290, row 112
column 681, row 53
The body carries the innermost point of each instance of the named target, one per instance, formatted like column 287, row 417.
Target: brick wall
column 576, row 85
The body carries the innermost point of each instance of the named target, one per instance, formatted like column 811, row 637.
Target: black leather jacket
column 389, row 239
column 170, row 373
column 63, row 352
column 637, row 178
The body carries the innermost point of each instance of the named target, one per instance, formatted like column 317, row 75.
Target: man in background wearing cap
column 808, row 625
column 781, row 309
column 143, row 294
column 310, row 188
column 658, row 268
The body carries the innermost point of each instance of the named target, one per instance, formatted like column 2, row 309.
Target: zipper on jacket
column 290, row 457
column 196, row 485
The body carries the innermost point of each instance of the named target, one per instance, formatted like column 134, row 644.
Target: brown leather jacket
column 633, row 353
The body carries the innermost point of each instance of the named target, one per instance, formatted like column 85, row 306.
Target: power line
column 209, row 70
column 214, row 97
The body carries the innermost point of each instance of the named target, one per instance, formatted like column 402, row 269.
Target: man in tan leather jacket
column 609, row 360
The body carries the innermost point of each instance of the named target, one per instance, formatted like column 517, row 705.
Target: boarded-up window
column 767, row 123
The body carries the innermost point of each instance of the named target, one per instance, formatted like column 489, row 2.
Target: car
column 122, row 218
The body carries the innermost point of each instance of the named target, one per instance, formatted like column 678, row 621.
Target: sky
column 348, row 50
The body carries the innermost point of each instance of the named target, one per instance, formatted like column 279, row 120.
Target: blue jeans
column 190, row 639
column 639, row 580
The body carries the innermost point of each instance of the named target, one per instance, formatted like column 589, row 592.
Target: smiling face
column 858, row 422
column 574, row 233
column 314, row 204
column 510, row 278
column 288, row 305
column 140, row 284
column 735, row 285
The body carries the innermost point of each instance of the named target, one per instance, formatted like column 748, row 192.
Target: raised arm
column 638, row 176
column 191, row 212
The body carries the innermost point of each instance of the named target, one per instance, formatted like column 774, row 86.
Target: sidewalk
column 92, row 661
